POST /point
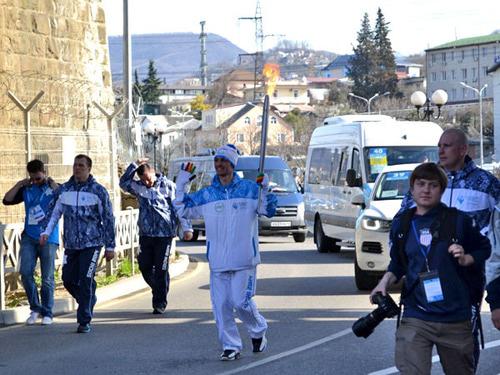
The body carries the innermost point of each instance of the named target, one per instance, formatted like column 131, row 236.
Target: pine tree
column 151, row 85
column 385, row 63
column 136, row 89
column 362, row 63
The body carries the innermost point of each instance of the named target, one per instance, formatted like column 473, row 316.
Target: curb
column 121, row 288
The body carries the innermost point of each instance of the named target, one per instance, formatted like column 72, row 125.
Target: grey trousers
column 415, row 339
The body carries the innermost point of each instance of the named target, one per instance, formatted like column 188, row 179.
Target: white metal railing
column 127, row 242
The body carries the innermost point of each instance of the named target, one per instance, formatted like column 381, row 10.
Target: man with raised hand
column 230, row 207
column 89, row 225
column 157, row 226
column 37, row 193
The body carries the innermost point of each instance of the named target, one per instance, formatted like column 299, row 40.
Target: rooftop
column 469, row 41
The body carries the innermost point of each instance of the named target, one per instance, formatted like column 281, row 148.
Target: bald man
column 470, row 189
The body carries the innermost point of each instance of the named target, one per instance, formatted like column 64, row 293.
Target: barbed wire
column 64, row 97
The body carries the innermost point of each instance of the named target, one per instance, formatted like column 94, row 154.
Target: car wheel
column 364, row 281
column 299, row 237
column 323, row 242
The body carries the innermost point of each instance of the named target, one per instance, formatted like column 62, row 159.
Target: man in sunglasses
column 230, row 207
column 37, row 193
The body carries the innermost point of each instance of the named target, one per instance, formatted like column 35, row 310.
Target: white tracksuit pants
column 232, row 291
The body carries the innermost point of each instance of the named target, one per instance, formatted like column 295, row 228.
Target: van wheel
column 324, row 243
column 299, row 237
column 363, row 280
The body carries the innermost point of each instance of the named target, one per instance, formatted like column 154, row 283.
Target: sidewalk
column 104, row 294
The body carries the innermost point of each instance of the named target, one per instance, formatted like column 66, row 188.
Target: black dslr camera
column 387, row 308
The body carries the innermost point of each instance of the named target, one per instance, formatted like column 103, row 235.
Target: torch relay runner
column 230, row 208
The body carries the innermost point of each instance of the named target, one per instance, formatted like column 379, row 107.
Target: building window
column 463, row 54
column 273, row 120
column 443, row 75
column 433, row 75
column 453, row 75
column 485, row 71
column 452, row 55
column 259, row 120
column 464, row 73
column 247, row 120
column 485, row 91
column 443, row 56
column 474, row 74
column 281, row 137
column 240, row 137
column 475, row 53
column 275, row 93
column 171, row 138
column 453, row 94
column 295, row 93
column 433, row 58
column 464, row 93
column 485, row 51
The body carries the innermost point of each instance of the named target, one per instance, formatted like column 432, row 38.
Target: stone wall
column 60, row 47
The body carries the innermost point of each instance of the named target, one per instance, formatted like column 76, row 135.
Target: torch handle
column 263, row 135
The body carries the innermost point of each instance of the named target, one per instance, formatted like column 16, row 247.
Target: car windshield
column 280, row 180
column 376, row 158
column 393, row 185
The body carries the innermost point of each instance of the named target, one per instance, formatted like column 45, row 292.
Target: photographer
column 438, row 250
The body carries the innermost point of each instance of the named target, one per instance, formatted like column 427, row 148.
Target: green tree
column 385, row 63
column 151, row 85
column 136, row 89
column 362, row 63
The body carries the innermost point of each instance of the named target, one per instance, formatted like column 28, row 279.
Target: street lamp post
column 369, row 101
column 154, row 131
column 419, row 99
column 479, row 93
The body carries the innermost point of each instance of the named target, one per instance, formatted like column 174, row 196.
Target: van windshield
column 376, row 158
column 393, row 185
column 280, row 180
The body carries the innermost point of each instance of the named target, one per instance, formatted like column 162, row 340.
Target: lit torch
column 271, row 73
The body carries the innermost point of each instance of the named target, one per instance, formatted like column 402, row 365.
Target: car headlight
column 300, row 210
column 375, row 224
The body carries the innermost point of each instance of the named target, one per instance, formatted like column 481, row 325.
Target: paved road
column 309, row 299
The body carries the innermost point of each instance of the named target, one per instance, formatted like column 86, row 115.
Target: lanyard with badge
column 429, row 279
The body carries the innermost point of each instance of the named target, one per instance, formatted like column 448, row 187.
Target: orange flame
column 272, row 74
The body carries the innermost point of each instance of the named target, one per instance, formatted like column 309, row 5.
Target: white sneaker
column 33, row 318
column 46, row 321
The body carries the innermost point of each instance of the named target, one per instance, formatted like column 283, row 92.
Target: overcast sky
column 323, row 24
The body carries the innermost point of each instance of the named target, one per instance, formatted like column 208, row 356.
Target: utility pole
column 127, row 66
column 203, row 52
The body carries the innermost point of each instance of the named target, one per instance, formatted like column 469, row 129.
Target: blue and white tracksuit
column 475, row 192
column 493, row 263
column 89, row 224
column 231, row 223
column 157, row 226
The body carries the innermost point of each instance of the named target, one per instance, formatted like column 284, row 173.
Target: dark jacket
column 459, row 284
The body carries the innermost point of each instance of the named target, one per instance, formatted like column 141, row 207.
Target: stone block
column 40, row 23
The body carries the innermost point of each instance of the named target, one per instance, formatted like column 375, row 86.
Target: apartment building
column 464, row 60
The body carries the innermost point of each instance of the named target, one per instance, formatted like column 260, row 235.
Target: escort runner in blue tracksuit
column 493, row 269
column 471, row 190
column 230, row 208
column 37, row 193
column 157, row 226
column 89, row 225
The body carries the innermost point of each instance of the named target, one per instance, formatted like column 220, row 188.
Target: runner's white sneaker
column 33, row 318
column 46, row 321
column 229, row 355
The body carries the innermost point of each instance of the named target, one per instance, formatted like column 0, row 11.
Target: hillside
column 176, row 55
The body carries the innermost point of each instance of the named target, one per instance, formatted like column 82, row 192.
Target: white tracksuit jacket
column 230, row 214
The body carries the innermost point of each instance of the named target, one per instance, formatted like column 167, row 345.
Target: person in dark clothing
column 441, row 276
column 157, row 226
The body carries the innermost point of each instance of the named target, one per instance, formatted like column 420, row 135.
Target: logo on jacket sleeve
column 219, row 207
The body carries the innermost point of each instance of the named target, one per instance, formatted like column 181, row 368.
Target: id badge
column 432, row 286
column 35, row 215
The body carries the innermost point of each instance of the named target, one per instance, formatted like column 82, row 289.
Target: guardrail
column 127, row 242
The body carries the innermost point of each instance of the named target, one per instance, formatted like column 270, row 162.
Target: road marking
column 394, row 370
column 299, row 349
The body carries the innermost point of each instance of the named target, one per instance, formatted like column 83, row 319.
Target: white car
column 374, row 224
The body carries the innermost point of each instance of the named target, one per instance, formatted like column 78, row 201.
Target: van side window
column 335, row 166
column 355, row 163
column 344, row 156
column 320, row 166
